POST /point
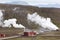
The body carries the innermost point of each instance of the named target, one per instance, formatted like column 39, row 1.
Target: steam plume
column 45, row 23
column 9, row 22
column 1, row 18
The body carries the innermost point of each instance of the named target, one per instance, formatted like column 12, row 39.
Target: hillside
column 53, row 13
column 21, row 13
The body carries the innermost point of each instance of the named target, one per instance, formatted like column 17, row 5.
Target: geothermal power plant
column 17, row 22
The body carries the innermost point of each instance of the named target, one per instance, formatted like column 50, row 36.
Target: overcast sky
column 35, row 2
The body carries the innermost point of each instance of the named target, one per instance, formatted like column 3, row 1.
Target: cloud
column 34, row 2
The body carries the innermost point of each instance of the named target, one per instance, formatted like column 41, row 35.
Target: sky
column 35, row 2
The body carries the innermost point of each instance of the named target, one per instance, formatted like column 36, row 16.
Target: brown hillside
column 21, row 13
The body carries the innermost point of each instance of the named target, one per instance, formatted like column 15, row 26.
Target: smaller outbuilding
column 2, row 35
column 29, row 34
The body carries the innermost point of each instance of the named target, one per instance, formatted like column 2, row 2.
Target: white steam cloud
column 9, row 22
column 1, row 18
column 12, row 22
column 45, row 23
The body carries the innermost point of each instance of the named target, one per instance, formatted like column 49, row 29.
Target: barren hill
column 20, row 13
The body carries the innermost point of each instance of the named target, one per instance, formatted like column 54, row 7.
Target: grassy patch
column 36, row 38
